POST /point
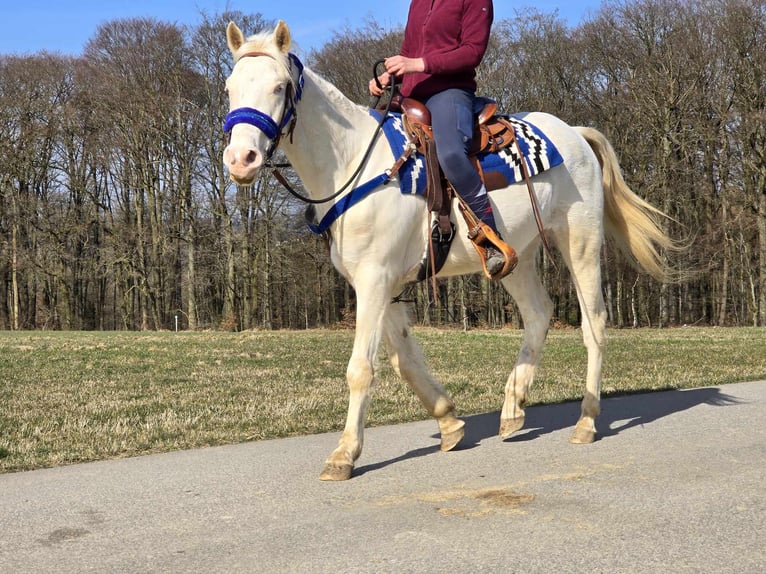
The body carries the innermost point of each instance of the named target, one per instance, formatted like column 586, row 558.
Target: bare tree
column 116, row 210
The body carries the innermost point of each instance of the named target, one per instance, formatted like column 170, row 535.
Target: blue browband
column 263, row 121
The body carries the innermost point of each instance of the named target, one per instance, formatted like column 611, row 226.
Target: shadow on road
column 620, row 413
column 617, row 414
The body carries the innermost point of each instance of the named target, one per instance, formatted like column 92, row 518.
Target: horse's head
column 263, row 88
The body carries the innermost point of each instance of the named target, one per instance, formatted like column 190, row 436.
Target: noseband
column 264, row 122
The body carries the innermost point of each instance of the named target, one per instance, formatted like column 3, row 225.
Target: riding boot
column 499, row 257
column 495, row 260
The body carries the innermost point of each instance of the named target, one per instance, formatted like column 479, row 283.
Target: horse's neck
column 330, row 135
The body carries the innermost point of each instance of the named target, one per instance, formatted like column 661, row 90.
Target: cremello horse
column 378, row 244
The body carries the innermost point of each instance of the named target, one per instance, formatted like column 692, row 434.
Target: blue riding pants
column 452, row 118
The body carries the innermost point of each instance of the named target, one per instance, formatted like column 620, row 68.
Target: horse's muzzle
column 243, row 164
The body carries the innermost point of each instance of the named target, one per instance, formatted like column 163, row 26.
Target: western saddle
column 491, row 134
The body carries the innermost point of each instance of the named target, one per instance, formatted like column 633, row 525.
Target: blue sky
column 29, row 26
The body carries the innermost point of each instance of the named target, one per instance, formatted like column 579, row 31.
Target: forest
column 116, row 212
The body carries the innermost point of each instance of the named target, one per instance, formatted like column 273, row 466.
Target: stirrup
column 437, row 252
column 483, row 235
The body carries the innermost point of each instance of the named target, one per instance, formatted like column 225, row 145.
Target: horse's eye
column 279, row 89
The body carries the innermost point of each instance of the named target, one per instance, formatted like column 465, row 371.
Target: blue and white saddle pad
column 539, row 153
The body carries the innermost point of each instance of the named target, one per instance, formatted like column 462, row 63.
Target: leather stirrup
column 482, row 236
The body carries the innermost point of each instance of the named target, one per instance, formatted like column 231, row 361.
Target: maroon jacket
column 451, row 36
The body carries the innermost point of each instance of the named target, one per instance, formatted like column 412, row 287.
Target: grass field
column 69, row 397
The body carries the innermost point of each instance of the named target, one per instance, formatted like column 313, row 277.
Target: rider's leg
column 452, row 123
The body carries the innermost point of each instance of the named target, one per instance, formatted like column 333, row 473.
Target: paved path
column 676, row 483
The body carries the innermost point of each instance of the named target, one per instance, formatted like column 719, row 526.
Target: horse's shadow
column 619, row 413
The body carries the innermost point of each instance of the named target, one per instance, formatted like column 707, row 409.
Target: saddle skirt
column 500, row 168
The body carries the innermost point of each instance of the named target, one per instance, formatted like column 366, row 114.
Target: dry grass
column 72, row 397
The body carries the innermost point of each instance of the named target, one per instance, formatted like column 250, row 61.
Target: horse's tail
column 629, row 220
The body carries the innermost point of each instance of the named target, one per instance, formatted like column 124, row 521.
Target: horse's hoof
column 510, row 426
column 335, row 473
column 451, row 439
column 583, row 436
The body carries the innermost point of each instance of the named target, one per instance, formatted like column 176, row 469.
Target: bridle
column 274, row 130
column 263, row 121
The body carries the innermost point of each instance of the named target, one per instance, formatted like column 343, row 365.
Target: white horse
column 378, row 244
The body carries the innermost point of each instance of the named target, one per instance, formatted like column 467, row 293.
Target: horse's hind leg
column 536, row 310
column 581, row 252
column 407, row 358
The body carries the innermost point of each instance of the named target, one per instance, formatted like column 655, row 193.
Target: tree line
column 116, row 211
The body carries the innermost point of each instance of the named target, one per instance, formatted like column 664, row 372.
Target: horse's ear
column 282, row 37
column 234, row 37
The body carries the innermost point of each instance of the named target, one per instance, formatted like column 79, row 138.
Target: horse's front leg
column 407, row 358
column 359, row 376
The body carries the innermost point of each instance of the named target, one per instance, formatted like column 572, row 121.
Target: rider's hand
column 400, row 65
column 396, row 66
column 384, row 79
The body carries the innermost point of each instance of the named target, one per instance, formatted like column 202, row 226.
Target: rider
column 444, row 42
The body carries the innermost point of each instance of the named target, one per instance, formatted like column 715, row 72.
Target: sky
column 65, row 26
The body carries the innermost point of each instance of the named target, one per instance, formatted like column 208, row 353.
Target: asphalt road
column 675, row 483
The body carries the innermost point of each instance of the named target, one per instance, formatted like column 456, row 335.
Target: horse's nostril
column 229, row 157
column 251, row 157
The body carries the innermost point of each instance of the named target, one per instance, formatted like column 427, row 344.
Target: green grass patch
column 68, row 397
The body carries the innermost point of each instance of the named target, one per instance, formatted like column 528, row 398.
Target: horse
column 378, row 244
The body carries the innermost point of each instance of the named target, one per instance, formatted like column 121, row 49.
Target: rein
column 381, row 180
column 286, row 184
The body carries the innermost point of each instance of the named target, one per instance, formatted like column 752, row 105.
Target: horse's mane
column 338, row 98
